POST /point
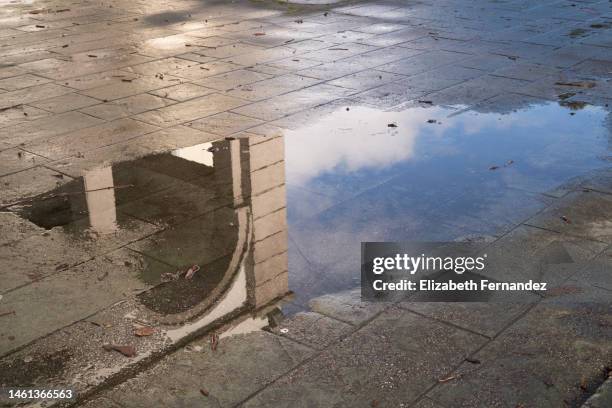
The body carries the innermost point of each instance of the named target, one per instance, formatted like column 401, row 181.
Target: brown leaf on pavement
column 144, row 331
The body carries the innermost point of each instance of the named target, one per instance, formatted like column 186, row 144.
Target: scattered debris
column 391, row 125
column 36, row 11
column 192, row 271
column 472, row 360
column 493, row 167
column 300, row 21
column 169, row 276
column 62, row 10
column 214, row 341
column 374, row 403
column 325, row 14
column 103, row 276
column 10, row 312
column 447, row 379
column 144, row 331
column 259, row 34
column 565, row 219
column 566, row 95
column 203, row 392
column 284, row 330
column 432, row 121
column 426, row 102
column 61, row 267
column 577, row 84
column 338, row 49
column 584, row 385
column 92, row 56
column 40, row 26
column 126, row 80
column 578, row 32
column 128, row 351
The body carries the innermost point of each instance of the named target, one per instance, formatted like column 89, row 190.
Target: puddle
column 133, row 229
column 425, row 173
column 145, row 222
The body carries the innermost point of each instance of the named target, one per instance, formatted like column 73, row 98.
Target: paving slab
column 402, row 362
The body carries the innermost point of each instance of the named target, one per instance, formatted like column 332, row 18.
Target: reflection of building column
column 268, row 254
column 100, row 197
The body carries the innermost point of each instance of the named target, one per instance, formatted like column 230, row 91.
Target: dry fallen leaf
column 144, row 331
column 578, row 84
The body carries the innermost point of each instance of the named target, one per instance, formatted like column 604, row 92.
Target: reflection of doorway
column 231, row 198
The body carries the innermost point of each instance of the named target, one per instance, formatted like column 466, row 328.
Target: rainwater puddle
column 134, row 229
column 424, row 174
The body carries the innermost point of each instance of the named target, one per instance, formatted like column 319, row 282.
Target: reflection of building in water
column 220, row 206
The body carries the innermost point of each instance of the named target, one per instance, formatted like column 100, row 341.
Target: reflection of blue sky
column 351, row 178
column 348, row 142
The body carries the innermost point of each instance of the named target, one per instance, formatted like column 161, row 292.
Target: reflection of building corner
column 266, row 261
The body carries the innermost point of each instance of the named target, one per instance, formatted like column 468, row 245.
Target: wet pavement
column 185, row 187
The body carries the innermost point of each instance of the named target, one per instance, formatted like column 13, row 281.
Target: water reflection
column 139, row 226
column 426, row 174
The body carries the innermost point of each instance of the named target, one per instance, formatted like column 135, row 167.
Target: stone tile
column 183, row 92
column 587, row 215
column 487, row 319
column 129, row 87
column 396, row 37
column 313, row 329
column 28, row 183
column 541, row 360
column 225, row 123
column 25, row 96
column 122, row 108
column 20, row 114
column 546, row 256
column 190, row 110
column 398, row 351
column 84, row 140
column 347, row 307
column 365, row 80
column 294, row 63
column 231, row 80
column 292, row 102
column 214, row 371
column 22, row 81
column 15, row 228
column 99, row 79
column 161, row 66
column 423, row 62
column 72, row 295
column 65, row 103
column 13, row 160
column 271, row 87
column 202, row 71
column 338, row 52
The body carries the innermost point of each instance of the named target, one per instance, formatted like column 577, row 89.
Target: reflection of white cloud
column 354, row 140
